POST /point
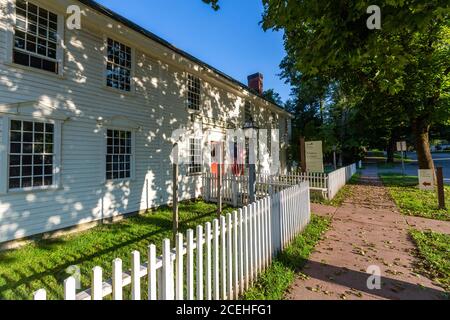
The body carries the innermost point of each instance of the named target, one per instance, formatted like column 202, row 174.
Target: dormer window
column 35, row 37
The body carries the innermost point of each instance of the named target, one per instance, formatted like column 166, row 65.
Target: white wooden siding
column 157, row 105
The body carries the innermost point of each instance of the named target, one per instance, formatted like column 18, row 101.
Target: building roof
column 117, row 17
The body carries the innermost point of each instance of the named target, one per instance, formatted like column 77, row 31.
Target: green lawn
column 412, row 201
column 274, row 282
column 434, row 253
column 43, row 264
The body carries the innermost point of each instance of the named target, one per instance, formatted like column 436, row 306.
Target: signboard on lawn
column 401, row 146
column 426, row 180
column 314, row 156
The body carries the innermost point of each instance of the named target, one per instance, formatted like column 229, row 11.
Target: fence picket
column 40, row 295
column 199, row 277
column 151, row 273
column 179, row 270
column 216, row 260
column 223, row 266
column 235, row 255
column 167, row 271
column 240, row 254
column 190, row 265
column 229, row 257
column 117, row 279
column 208, row 238
column 70, row 289
column 135, row 277
column 246, row 249
column 97, row 284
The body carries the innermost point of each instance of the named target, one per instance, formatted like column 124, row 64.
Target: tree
column 273, row 96
column 400, row 70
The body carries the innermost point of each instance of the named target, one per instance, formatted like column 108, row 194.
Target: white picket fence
column 229, row 253
column 235, row 188
column 339, row 178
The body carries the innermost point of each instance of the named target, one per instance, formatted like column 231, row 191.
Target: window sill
column 34, row 190
column 35, row 70
column 198, row 174
column 131, row 93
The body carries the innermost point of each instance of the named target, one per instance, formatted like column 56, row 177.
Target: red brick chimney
column 256, row 82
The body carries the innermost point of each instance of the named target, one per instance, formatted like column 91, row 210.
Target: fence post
column 208, row 238
column 223, row 247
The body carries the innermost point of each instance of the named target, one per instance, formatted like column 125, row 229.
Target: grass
column 342, row 195
column 42, row 265
column 274, row 282
column 434, row 253
column 411, row 200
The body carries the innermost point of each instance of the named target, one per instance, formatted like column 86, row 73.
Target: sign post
column 401, row 146
column 440, row 185
column 314, row 156
column 302, row 154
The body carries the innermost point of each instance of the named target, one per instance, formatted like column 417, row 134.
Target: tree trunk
column 421, row 132
column 391, row 150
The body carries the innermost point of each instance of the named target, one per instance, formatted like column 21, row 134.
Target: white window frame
column 121, row 123
column 105, row 66
column 190, row 110
column 4, row 180
column 11, row 10
column 200, row 154
column 133, row 154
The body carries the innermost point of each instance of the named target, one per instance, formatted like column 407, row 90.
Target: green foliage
column 273, row 96
column 42, row 265
column 389, row 82
column 274, row 282
column 411, row 200
column 213, row 3
column 434, row 254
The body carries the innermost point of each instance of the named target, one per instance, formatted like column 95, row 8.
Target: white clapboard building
column 87, row 115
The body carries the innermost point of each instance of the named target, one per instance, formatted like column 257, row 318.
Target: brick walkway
column 367, row 230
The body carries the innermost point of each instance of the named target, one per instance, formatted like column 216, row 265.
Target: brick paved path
column 366, row 230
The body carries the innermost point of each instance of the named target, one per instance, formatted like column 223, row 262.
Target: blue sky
column 230, row 39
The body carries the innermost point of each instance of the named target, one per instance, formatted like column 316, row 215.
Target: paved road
column 440, row 160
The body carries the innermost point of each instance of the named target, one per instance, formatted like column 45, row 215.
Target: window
column 35, row 37
column 119, row 155
column 193, row 93
column 269, row 141
column 31, row 154
column 118, row 66
column 247, row 151
column 195, row 156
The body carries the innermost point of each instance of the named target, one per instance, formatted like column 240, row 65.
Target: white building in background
column 86, row 116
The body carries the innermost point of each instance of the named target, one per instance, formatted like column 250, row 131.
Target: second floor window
column 35, row 37
column 118, row 66
column 193, row 98
column 248, row 112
